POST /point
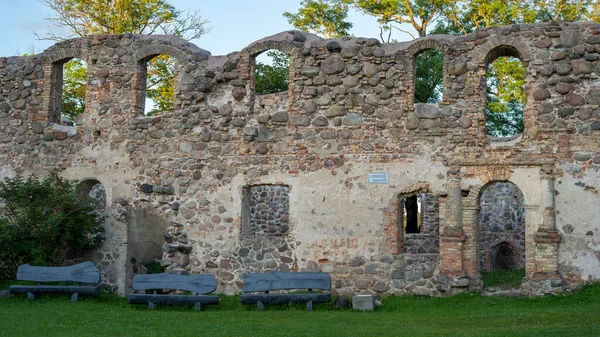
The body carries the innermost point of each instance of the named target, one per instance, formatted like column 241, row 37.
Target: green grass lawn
column 505, row 279
column 463, row 315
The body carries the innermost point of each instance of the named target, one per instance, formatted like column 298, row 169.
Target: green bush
column 154, row 267
column 44, row 221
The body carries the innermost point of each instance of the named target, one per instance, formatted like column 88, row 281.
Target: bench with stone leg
column 273, row 281
column 85, row 275
column 198, row 284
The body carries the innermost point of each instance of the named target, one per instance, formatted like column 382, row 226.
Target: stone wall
column 348, row 112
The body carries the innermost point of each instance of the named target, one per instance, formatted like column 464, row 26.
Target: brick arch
column 62, row 55
column 495, row 48
column 426, row 43
column 146, row 53
column 480, row 189
column 259, row 47
column 518, row 251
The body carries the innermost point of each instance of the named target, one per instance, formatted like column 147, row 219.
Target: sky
column 234, row 24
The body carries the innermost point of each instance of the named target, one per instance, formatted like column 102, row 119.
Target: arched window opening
column 265, row 210
column 94, row 190
column 70, row 83
column 505, row 93
column 429, row 76
column 271, row 72
column 159, row 83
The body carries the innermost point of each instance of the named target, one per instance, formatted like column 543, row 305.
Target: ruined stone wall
column 348, row 112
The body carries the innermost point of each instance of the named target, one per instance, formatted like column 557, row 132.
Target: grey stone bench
column 198, row 284
column 273, row 281
column 85, row 274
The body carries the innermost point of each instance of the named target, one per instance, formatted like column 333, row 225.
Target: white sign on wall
column 379, row 178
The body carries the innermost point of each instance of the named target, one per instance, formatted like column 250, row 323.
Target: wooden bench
column 85, row 274
column 198, row 284
column 267, row 282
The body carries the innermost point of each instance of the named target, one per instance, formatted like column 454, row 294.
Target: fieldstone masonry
column 349, row 111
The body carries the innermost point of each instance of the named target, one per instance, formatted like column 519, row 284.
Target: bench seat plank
column 199, row 284
column 85, row 272
column 172, row 299
column 285, row 298
column 55, row 289
column 286, row 281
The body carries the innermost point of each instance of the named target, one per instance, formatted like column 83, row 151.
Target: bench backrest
column 284, row 281
column 200, row 284
column 85, row 272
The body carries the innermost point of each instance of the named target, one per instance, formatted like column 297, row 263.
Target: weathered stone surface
column 310, row 71
column 425, row 110
column 581, row 66
column 353, row 119
column 333, row 65
column 569, row 38
column 575, row 100
column 541, row 94
column 465, row 122
column 564, row 88
column 335, row 111
column 301, row 120
column 280, row 117
column 320, row 121
column 458, row 66
column 225, row 110
column 593, row 96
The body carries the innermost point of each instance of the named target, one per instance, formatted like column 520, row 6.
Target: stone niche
column 265, row 210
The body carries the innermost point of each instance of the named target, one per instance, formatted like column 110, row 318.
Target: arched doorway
column 501, row 228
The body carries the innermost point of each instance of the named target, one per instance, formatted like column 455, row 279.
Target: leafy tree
column 43, row 222
column 272, row 78
column 84, row 17
column 322, row 17
column 418, row 13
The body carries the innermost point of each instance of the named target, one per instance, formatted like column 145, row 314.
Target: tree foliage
column 390, row 13
column 83, row 17
column 43, row 221
column 160, row 83
column 505, row 97
column 428, row 76
column 274, row 77
column 74, row 85
column 322, row 17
